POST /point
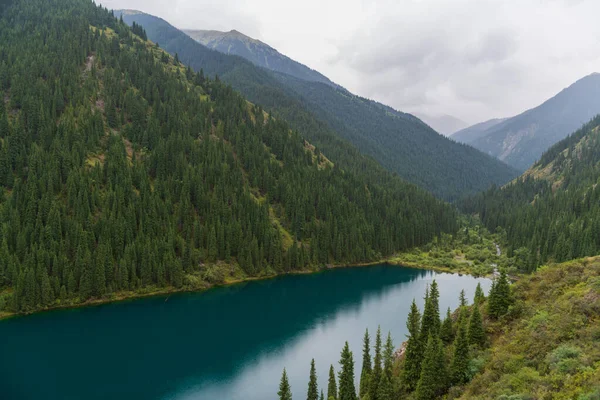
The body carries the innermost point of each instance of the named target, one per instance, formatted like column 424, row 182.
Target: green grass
column 469, row 251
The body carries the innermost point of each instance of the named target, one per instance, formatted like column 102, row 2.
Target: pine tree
column 313, row 391
column 331, row 385
column 430, row 323
column 460, row 362
column 366, row 367
column 388, row 357
column 476, row 333
column 413, row 355
column 346, row 375
column 433, row 380
column 479, row 295
column 376, row 373
column 322, row 395
column 463, row 298
column 499, row 298
column 285, row 391
column 447, row 329
column 386, row 390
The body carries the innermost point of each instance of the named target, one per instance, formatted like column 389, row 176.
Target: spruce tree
column 322, row 395
column 476, row 333
column 366, row 367
column 432, row 382
column 479, row 295
column 313, row 390
column 413, row 354
column 430, row 323
column 447, row 329
column 460, row 361
column 388, row 356
column 386, row 390
column 376, row 373
column 347, row 390
column 499, row 298
column 463, row 298
column 331, row 385
column 285, row 391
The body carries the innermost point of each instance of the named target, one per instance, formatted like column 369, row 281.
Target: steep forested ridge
column 121, row 170
column 400, row 142
column 552, row 212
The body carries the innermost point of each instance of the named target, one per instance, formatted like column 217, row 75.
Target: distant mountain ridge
column 474, row 132
column 255, row 51
column 520, row 141
column 444, row 124
column 340, row 123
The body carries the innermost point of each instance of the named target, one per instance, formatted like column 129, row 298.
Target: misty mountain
column 520, row 141
column 474, row 132
column 339, row 123
column 255, row 51
column 444, row 124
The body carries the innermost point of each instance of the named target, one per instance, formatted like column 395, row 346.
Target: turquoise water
column 226, row 343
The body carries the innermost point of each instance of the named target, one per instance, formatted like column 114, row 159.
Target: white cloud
column 474, row 59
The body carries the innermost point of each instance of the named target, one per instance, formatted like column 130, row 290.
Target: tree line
column 552, row 213
column 123, row 170
column 436, row 358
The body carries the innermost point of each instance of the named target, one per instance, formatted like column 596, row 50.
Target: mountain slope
column 547, row 347
column 552, row 212
column 255, row 51
column 474, row 132
column 400, row 142
column 444, row 124
column 122, row 171
column 521, row 140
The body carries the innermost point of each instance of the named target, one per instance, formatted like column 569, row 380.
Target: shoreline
column 129, row 296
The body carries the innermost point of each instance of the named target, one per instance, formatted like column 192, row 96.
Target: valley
column 192, row 214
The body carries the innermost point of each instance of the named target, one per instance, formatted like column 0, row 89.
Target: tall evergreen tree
column 388, row 356
column 430, row 323
column 347, row 390
column 460, row 361
column 447, row 329
column 479, row 295
column 366, row 366
column 499, row 298
column 385, row 389
column 285, row 391
column 332, row 386
column 433, row 380
column 413, row 355
column 376, row 373
column 463, row 298
column 313, row 390
column 476, row 333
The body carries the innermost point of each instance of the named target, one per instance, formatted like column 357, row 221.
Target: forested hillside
column 552, row 212
column 400, row 142
column 121, row 170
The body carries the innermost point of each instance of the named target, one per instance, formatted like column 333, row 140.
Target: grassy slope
column 548, row 347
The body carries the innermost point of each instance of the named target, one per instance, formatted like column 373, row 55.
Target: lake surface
column 228, row 343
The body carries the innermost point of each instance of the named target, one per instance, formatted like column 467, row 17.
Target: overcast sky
column 473, row 59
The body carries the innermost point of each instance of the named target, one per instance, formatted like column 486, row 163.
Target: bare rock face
column 399, row 353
